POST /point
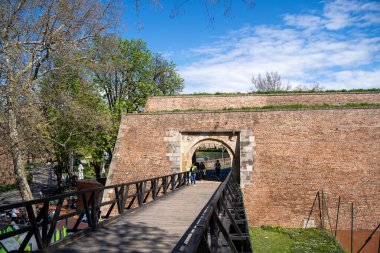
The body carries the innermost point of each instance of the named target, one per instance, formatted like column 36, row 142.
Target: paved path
column 39, row 187
column 155, row 228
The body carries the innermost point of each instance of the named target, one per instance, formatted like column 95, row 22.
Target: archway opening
column 222, row 147
column 239, row 144
column 210, row 158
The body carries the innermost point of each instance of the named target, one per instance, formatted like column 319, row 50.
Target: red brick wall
column 297, row 153
column 214, row 102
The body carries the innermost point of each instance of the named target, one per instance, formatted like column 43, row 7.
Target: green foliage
column 77, row 118
column 293, row 240
column 284, row 107
column 212, row 153
column 30, row 166
column 264, row 241
column 126, row 72
column 301, row 106
column 7, row 187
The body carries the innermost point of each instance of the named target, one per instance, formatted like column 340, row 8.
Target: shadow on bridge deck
column 155, row 228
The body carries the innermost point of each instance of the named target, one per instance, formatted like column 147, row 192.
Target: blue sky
column 335, row 43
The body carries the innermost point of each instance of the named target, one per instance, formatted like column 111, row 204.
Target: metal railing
column 224, row 214
column 323, row 213
column 42, row 224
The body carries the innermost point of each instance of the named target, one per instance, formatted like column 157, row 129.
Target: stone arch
column 182, row 144
column 190, row 141
column 187, row 154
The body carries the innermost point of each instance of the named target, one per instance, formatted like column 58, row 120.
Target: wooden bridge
column 162, row 214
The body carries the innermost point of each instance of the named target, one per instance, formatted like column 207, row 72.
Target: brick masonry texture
column 296, row 153
column 217, row 102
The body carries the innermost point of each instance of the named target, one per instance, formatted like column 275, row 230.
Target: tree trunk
column 18, row 164
column 71, row 164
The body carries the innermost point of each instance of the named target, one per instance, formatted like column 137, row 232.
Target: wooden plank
column 155, row 228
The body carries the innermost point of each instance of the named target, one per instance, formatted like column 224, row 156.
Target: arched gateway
column 239, row 145
column 281, row 157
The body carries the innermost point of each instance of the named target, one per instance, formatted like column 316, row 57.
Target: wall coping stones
column 270, row 94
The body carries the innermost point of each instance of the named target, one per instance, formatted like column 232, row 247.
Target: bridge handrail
column 225, row 207
column 68, row 194
column 42, row 226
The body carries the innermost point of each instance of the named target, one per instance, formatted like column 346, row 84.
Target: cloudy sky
column 218, row 48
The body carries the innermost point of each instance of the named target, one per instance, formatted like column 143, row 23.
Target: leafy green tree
column 76, row 118
column 32, row 33
column 127, row 73
column 166, row 80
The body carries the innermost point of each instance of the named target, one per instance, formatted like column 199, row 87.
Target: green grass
column 301, row 106
column 315, row 91
column 269, row 241
column 282, row 107
column 266, row 239
column 7, row 187
column 272, row 92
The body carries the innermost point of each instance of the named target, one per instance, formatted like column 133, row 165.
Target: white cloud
column 343, row 13
column 354, row 79
column 301, row 53
column 311, row 22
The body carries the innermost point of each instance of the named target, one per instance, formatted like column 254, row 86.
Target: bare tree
column 270, row 82
column 32, row 34
column 310, row 87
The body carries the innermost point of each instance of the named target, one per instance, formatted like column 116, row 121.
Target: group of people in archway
column 198, row 171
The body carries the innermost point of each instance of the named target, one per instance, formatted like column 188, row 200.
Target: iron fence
column 323, row 213
column 224, row 214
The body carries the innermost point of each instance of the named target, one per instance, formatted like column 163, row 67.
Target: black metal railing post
column 369, row 238
column 337, row 217
column 352, row 228
column 223, row 215
column 43, row 226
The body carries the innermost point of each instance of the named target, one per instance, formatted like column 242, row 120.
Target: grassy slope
column 271, row 92
column 282, row 107
column 267, row 239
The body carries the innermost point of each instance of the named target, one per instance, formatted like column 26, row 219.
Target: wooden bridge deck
column 154, row 228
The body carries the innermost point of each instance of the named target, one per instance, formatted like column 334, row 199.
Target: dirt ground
column 344, row 237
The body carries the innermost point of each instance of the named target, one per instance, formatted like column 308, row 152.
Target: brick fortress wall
column 297, row 153
column 217, row 102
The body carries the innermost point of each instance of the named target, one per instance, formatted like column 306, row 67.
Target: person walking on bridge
column 217, row 169
column 202, row 171
column 193, row 174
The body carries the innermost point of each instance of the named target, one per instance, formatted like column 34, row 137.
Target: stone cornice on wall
column 220, row 102
column 249, row 110
column 263, row 94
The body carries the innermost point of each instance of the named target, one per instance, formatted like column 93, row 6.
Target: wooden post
column 311, row 210
column 320, row 211
column 323, row 211
column 352, row 227
column 337, row 217
column 327, row 213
